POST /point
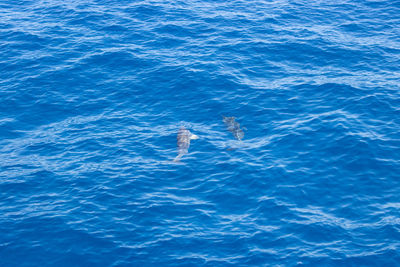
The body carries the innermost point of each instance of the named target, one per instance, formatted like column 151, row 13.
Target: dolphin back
column 233, row 127
column 183, row 142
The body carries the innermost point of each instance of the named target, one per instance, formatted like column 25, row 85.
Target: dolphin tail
column 178, row 158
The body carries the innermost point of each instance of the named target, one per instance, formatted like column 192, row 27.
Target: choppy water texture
column 92, row 96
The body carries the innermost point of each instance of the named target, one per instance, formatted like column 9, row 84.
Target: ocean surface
column 93, row 94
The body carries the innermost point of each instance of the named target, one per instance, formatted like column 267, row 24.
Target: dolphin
column 234, row 127
column 183, row 142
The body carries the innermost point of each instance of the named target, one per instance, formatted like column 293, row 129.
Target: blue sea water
column 93, row 93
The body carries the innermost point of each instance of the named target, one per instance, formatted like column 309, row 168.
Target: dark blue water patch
column 114, row 29
column 146, row 12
